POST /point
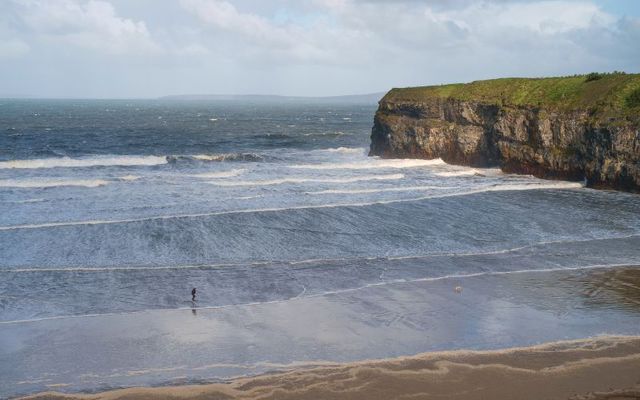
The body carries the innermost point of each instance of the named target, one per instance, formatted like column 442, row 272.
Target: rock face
column 538, row 140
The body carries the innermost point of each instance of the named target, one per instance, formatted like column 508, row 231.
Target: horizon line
column 170, row 96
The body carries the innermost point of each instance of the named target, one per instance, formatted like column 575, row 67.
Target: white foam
column 48, row 183
column 346, row 150
column 473, row 275
column 269, row 182
column 373, row 163
column 129, row 178
column 226, row 157
column 383, row 190
column 25, row 201
column 346, row 260
column 154, row 268
column 494, row 188
column 337, row 133
column 221, row 174
column 215, row 157
column 497, row 188
column 467, row 172
column 67, row 162
column 206, row 157
column 535, row 186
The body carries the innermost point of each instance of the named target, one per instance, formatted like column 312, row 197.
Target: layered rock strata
column 545, row 141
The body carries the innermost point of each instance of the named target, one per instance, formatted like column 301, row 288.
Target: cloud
column 488, row 38
column 543, row 17
column 354, row 33
column 13, row 48
column 314, row 47
column 478, row 20
column 252, row 35
column 87, row 24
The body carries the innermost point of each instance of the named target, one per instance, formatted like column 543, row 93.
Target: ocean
column 302, row 248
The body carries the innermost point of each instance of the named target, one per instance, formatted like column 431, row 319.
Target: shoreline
column 603, row 367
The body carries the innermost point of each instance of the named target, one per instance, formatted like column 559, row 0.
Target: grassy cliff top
column 605, row 95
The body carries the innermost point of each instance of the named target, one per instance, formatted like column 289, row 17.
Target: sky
column 151, row 48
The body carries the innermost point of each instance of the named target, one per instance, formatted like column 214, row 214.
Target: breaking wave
column 450, row 174
column 67, row 162
column 247, row 157
column 128, row 160
column 346, row 150
column 369, row 191
column 281, row 181
column 495, row 188
column 221, row 174
column 49, row 183
column 129, row 178
column 373, row 163
column 27, row 201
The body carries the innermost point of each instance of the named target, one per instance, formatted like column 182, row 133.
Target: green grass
column 633, row 99
column 614, row 95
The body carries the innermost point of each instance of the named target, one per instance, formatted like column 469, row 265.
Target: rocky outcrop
column 537, row 140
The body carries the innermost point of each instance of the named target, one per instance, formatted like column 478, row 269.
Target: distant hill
column 371, row 98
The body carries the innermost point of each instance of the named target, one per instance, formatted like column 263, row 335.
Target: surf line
column 332, row 292
column 276, row 209
column 316, row 260
column 293, row 263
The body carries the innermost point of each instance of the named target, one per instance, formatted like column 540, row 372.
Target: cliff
column 564, row 128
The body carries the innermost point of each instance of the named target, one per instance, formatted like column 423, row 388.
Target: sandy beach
column 598, row 368
column 335, row 332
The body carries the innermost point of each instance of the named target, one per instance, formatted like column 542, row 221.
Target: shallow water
column 494, row 310
column 113, row 210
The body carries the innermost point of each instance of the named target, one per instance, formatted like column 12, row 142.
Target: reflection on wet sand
column 570, row 369
column 495, row 310
column 616, row 288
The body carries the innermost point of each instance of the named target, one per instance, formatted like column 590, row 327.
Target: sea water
column 112, row 211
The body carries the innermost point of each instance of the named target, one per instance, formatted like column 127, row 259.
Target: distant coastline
column 370, row 98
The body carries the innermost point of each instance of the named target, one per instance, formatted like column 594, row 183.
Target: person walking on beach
column 193, row 294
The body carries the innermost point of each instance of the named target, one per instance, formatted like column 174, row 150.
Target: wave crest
column 268, row 182
column 373, row 163
column 346, row 150
column 220, row 174
column 95, row 161
column 49, row 183
column 450, row 174
column 246, row 157
column 124, row 160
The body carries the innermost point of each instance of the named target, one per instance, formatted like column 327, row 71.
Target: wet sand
column 166, row 348
column 598, row 368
